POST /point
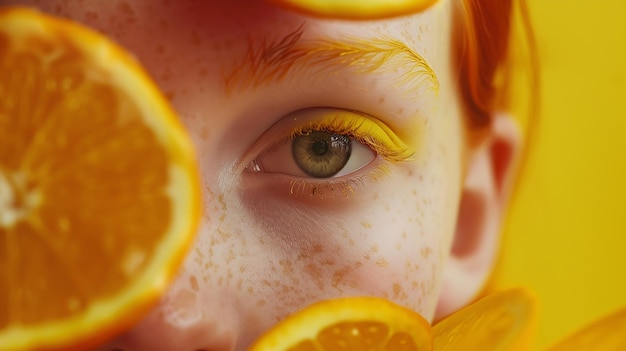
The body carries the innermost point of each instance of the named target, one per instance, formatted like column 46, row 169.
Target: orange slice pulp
column 99, row 191
column 356, row 9
column 362, row 323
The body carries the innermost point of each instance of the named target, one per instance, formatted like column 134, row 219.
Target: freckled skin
column 259, row 255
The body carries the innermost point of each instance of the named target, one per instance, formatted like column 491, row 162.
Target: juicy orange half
column 502, row 321
column 356, row 9
column 358, row 323
column 99, row 195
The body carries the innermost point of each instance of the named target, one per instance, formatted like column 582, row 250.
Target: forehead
column 224, row 24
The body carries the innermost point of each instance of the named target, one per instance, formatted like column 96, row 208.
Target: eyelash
column 331, row 187
column 363, row 129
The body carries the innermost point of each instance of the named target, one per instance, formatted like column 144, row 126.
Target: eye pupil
column 321, row 154
column 319, row 148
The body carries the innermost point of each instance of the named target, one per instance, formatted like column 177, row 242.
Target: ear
column 489, row 176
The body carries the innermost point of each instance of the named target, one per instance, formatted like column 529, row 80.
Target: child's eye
column 325, row 143
column 317, row 154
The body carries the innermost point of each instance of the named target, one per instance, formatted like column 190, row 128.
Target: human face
column 244, row 77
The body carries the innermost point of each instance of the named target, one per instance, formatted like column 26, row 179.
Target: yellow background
column 565, row 236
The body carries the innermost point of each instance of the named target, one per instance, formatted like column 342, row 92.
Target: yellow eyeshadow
column 367, row 130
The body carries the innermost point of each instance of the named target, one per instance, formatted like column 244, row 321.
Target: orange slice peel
column 355, row 9
column 360, row 323
column 99, row 186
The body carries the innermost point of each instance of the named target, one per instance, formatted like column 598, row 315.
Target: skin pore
column 248, row 80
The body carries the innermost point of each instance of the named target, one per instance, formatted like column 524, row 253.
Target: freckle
column 426, row 251
column 328, row 262
column 220, row 199
column 194, row 283
column 399, row 246
column 250, row 290
column 222, row 217
column 387, row 208
column 91, row 16
column 125, row 8
column 231, row 256
column 398, row 292
column 339, row 276
column 260, row 303
column 374, row 248
column 414, row 192
column 381, row 100
column 170, row 95
column 195, row 38
column 204, row 133
column 163, row 24
column 223, row 235
column 382, row 263
column 400, row 110
column 366, row 224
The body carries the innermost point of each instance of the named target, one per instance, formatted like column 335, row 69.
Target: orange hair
column 484, row 35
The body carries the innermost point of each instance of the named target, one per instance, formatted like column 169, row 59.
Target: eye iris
column 321, row 154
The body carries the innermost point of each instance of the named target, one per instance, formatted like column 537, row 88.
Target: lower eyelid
column 339, row 189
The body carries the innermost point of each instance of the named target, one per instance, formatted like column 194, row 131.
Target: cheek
column 267, row 258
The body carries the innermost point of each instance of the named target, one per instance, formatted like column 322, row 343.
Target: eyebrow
column 268, row 62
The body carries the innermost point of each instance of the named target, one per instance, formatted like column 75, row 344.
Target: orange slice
column 359, row 323
column 502, row 321
column 607, row 334
column 356, row 9
column 99, row 192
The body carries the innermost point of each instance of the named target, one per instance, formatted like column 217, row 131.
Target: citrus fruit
column 356, row 9
column 99, row 191
column 357, row 323
column 607, row 334
column 502, row 321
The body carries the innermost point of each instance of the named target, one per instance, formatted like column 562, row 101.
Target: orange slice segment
column 607, row 334
column 502, row 321
column 99, row 192
column 356, row 9
column 359, row 323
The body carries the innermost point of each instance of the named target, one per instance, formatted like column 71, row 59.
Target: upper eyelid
column 387, row 144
